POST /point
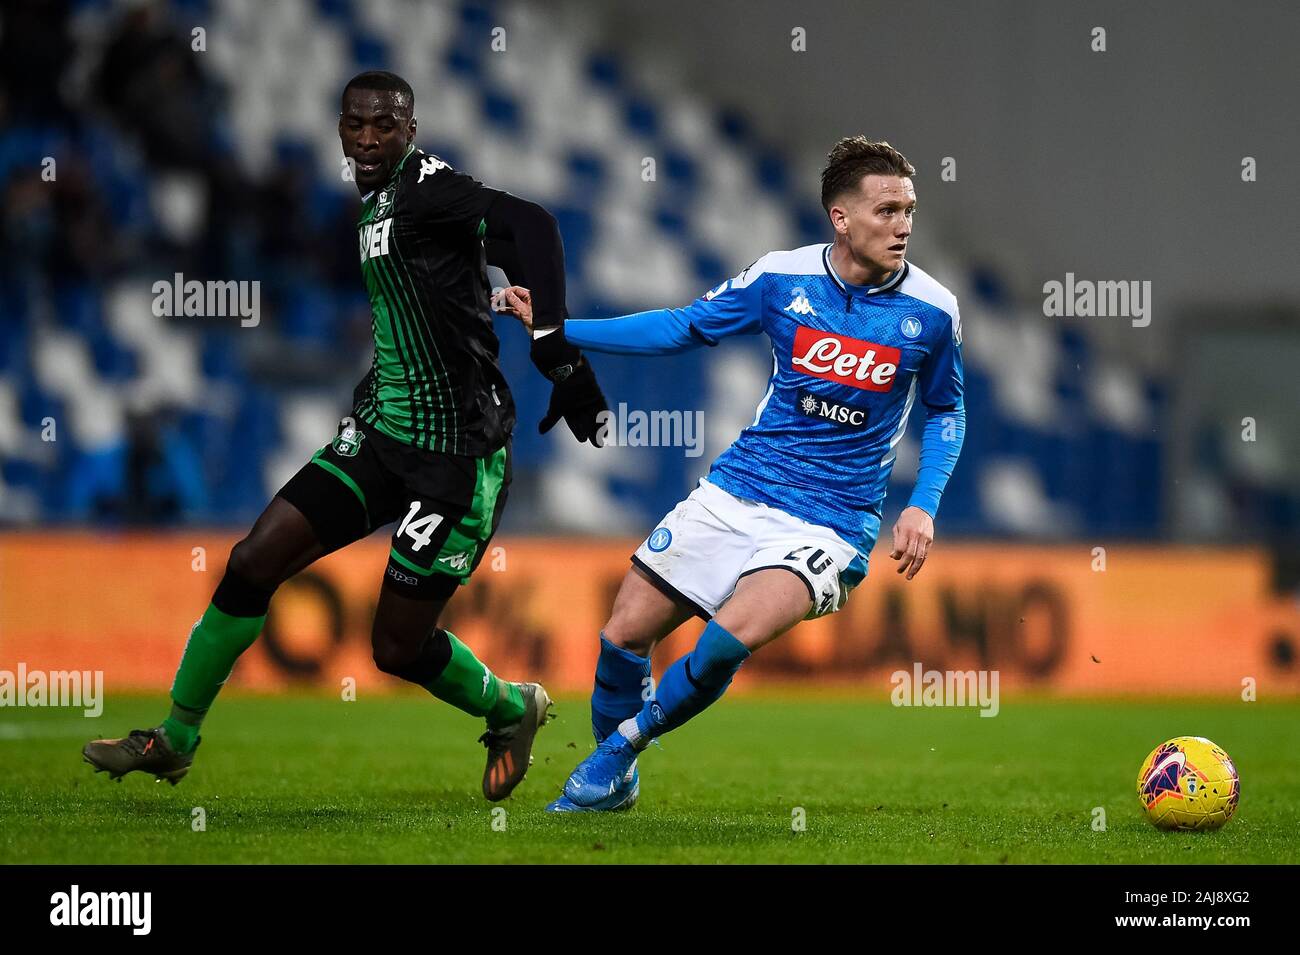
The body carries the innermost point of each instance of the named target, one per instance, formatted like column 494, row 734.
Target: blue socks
column 621, row 678
column 690, row 685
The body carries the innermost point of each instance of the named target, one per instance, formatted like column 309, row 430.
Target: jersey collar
column 892, row 281
column 401, row 162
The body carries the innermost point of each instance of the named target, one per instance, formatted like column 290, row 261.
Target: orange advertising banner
column 1134, row 620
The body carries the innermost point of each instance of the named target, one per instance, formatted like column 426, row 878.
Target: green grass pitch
column 395, row 778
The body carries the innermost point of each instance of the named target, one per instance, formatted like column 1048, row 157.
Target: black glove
column 575, row 394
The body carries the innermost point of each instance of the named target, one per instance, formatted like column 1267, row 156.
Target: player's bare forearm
column 913, row 535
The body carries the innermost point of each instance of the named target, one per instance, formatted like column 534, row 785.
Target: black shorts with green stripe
column 448, row 505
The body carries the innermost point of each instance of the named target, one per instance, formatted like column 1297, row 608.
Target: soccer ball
column 1188, row 783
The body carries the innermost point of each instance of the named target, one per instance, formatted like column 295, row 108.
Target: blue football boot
column 623, row 798
column 600, row 775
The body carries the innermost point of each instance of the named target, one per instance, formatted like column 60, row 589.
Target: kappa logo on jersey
column 844, row 360
column 800, row 304
column 815, row 406
column 429, row 166
column 713, row 292
column 374, row 239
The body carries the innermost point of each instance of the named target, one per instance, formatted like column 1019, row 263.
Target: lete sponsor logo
column 846, row 361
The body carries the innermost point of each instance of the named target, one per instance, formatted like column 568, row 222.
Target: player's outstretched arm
column 733, row 308
column 524, row 239
column 660, row 331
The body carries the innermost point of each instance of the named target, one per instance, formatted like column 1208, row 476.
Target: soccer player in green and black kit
column 427, row 443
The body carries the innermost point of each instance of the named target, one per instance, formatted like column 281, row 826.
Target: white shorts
column 712, row 539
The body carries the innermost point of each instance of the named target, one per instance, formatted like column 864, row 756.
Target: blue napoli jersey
column 847, row 364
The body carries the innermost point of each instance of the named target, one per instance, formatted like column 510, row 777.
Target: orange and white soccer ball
column 1188, row 783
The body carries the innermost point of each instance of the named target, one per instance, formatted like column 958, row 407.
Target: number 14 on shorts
column 421, row 530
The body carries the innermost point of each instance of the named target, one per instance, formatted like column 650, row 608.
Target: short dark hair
column 384, row 81
column 854, row 157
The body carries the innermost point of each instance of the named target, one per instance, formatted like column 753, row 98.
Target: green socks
column 182, row 728
column 218, row 639
column 215, row 644
column 468, row 685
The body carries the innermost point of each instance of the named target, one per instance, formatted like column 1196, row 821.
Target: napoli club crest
column 660, row 539
column 910, row 327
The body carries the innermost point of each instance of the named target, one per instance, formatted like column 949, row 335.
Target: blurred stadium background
column 223, row 162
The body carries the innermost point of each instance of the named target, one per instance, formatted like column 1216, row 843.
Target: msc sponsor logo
column 844, row 360
column 815, row 406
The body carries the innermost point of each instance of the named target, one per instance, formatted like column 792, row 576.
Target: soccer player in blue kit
column 781, row 528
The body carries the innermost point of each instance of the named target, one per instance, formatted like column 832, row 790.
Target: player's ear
column 839, row 220
column 410, row 130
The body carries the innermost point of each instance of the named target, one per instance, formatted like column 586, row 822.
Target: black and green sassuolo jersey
column 434, row 382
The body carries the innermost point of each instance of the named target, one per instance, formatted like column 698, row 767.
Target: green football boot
column 145, row 751
column 510, row 747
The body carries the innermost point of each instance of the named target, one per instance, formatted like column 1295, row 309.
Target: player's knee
column 752, row 633
column 624, row 630
column 390, row 656
column 391, row 650
column 752, row 629
column 388, row 659
column 250, row 562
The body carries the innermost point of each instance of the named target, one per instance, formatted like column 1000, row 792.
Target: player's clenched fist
column 913, row 535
